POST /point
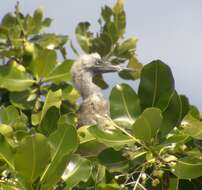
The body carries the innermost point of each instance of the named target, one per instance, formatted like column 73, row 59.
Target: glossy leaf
column 60, row 73
column 156, row 81
column 77, row 166
column 33, row 150
column 124, row 104
column 188, row 168
column 113, row 138
column 64, row 142
column 177, row 107
column 147, row 124
column 14, row 78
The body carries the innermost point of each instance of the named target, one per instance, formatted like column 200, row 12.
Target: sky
column 170, row 30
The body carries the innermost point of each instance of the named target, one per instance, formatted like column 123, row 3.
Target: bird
column 93, row 109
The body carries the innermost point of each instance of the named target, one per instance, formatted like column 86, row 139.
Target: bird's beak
column 107, row 67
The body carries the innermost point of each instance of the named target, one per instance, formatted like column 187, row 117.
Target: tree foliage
column 155, row 140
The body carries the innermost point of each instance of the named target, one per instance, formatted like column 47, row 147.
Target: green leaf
column 8, row 115
column 156, row 81
column 188, row 168
column 106, row 13
column 193, row 110
column 114, row 138
column 83, row 36
column 77, row 166
column 6, row 130
column 52, row 99
column 50, row 41
column 21, row 99
column 177, row 108
column 60, row 73
column 71, row 94
column 6, row 152
column 119, row 17
column 49, row 122
column 12, row 118
column 192, row 127
column 88, row 146
column 102, row 44
column 14, row 78
column 135, row 66
column 32, row 156
column 126, row 49
column 99, row 81
column 44, row 62
column 64, row 142
column 124, row 104
column 147, row 125
column 173, row 184
column 38, row 15
column 113, row 160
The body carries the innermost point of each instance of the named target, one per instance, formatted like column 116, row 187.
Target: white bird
column 94, row 107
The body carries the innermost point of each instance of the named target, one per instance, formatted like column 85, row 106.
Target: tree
column 156, row 140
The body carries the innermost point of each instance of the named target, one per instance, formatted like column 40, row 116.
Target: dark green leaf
column 177, row 108
column 124, row 104
column 21, row 99
column 113, row 160
column 49, row 122
column 99, row 81
column 156, row 81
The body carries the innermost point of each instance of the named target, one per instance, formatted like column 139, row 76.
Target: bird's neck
column 84, row 83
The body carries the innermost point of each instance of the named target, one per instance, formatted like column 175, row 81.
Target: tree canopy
column 157, row 133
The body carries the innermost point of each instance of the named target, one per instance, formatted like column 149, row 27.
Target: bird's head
column 95, row 64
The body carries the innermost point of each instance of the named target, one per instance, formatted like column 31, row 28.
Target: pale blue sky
column 170, row 30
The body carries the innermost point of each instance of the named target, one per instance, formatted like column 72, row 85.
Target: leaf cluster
column 153, row 137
